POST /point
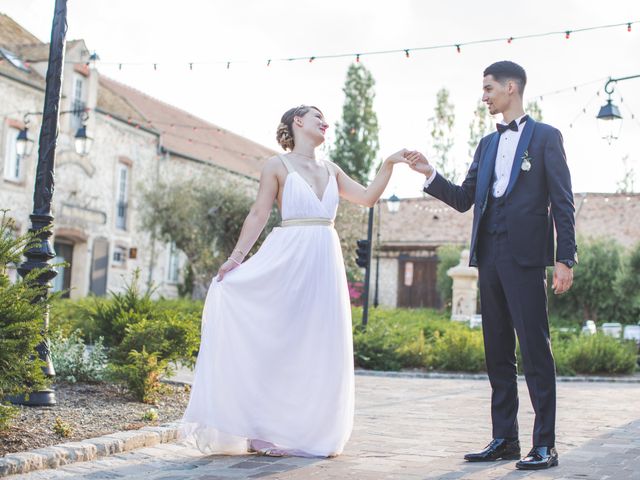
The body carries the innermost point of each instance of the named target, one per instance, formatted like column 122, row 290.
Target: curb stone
column 483, row 376
column 85, row 450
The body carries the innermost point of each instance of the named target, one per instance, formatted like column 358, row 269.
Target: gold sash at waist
column 301, row 222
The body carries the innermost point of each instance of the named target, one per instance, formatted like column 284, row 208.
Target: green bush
column 73, row 362
column 448, row 256
column 172, row 336
column 589, row 354
column 23, row 306
column 66, row 316
column 457, row 350
column 606, row 285
column 141, row 374
column 400, row 338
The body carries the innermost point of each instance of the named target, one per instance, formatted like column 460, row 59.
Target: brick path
column 414, row 429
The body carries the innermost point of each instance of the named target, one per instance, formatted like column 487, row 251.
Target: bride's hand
column 398, row 157
column 225, row 268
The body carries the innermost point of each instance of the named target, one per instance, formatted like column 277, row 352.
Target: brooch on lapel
column 526, row 161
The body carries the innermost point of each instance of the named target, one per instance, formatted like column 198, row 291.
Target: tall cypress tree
column 356, row 145
column 441, row 125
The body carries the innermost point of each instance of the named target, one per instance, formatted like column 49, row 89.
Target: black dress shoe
column 499, row 448
column 539, row 458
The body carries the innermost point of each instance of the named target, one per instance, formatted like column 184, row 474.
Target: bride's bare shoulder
column 273, row 165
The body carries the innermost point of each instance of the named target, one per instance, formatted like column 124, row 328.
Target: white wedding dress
column 276, row 356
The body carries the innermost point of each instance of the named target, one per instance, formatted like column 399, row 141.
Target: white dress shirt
column 504, row 159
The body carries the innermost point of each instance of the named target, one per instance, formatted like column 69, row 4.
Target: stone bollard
column 465, row 289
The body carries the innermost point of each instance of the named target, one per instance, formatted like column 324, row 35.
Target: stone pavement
column 414, row 429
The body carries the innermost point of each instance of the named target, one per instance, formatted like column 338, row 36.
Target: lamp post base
column 42, row 398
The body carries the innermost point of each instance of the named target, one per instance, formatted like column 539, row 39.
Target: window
column 173, row 270
column 12, row 161
column 119, row 256
column 77, row 103
column 122, row 196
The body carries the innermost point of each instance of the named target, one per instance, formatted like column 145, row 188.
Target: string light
column 567, row 34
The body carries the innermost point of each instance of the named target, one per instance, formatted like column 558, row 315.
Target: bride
column 274, row 372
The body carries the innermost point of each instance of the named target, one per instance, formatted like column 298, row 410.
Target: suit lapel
column 487, row 166
column 523, row 145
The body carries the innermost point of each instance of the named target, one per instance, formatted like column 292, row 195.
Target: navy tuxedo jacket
column 535, row 200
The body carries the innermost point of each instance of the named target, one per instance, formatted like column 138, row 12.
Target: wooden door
column 417, row 282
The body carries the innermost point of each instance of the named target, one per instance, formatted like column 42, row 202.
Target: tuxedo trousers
column 514, row 302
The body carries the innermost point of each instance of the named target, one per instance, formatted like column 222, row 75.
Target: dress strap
column 286, row 163
column 329, row 170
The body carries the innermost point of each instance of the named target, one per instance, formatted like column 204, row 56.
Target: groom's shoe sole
column 511, row 456
column 543, row 466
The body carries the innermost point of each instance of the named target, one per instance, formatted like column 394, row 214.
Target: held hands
column 418, row 162
column 562, row 278
column 398, row 157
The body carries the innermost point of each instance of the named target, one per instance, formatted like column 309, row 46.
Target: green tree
column 628, row 288
column 23, row 305
column 534, row 110
column 203, row 217
column 441, row 125
column 356, row 145
column 448, row 257
column 593, row 295
column 626, row 183
column 480, row 126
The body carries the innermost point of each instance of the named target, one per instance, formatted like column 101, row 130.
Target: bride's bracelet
column 235, row 261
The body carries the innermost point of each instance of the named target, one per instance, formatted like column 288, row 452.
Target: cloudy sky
column 249, row 97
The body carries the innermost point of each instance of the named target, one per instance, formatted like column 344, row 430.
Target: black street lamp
column 24, row 144
column 41, row 219
column 609, row 116
column 82, row 141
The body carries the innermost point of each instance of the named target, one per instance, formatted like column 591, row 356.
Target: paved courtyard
column 413, row 428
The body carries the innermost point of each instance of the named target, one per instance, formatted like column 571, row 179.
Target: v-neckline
column 324, row 192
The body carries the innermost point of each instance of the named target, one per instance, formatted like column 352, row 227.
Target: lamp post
column 393, row 204
column 609, row 116
column 41, row 219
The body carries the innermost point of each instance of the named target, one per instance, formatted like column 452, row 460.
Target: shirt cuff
column 430, row 178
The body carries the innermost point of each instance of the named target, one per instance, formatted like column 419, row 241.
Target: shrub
column 66, row 316
column 61, row 428
column 142, row 374
column 23, row 306
column 173, row 337
column 457, row 350
column 72, row 360
column 113, row 316
column 597, row 354
column 594, row 295
column 448, row 256
column 7, row 414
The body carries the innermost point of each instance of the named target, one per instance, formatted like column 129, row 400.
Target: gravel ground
column 91, row 410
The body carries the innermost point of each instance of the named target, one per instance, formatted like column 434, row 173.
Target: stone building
column 409, row 239
column 137, row 139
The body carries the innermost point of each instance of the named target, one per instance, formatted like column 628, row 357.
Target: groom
column 520, row 188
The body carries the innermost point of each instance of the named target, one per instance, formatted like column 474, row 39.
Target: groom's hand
column 562, row 278
column 419, row 163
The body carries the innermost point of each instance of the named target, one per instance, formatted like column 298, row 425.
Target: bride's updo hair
column 284, row 134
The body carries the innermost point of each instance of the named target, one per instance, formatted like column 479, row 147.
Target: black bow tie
column 512, row 125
